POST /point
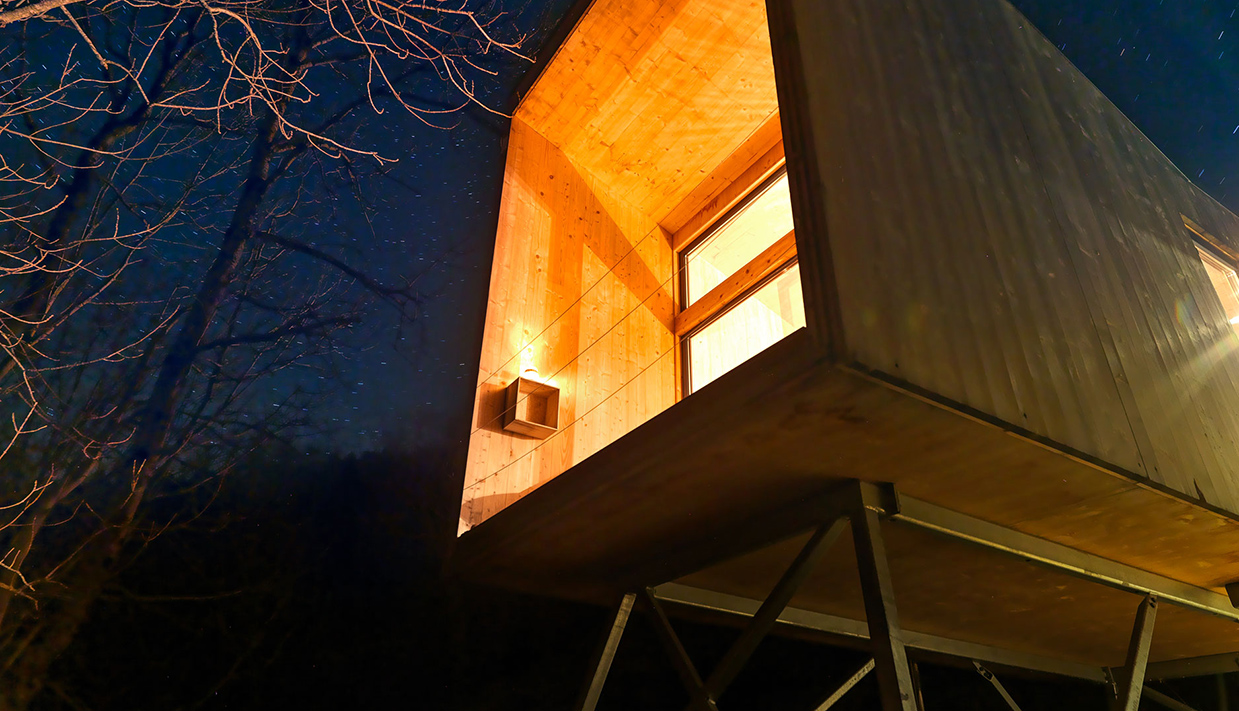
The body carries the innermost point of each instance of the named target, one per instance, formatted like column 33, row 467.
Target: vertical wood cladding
column 579, row 289
column 1003, row 236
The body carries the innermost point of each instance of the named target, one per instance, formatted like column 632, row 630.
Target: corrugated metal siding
column 1005, row 238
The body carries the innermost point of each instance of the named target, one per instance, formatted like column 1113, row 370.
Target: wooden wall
column 580, row 288
column 638, row 126
column 1003, row 236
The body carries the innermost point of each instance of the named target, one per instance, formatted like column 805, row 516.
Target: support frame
column 865, row 505
column 601, row 662
column 1130, row 679
column 846, row 686
column 988, row 675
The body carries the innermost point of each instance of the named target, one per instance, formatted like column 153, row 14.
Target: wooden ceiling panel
column 650, row 97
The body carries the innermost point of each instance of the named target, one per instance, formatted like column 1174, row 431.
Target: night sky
column 1171, row 67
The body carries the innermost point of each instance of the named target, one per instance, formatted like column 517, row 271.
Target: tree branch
column 33, row 10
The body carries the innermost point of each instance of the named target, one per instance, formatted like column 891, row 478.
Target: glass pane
column 750, row 327
column 1225, row 282
column 756, row 226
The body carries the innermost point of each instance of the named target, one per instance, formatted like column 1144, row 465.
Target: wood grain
column 651, row 96
column 581, row 281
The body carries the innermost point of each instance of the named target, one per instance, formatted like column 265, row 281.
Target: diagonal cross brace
column 768, row 614
column 601, row 665
column 846, row 686
column 701, row 699
column 988, row 675
column 1168, row 702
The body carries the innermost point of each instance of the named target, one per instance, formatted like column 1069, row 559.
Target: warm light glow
column 527, row 359
column 758, row 224
column 1225, row 283
column 754, row 324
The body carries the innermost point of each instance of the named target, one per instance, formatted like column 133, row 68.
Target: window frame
column 784, row 255
column 1207, row 244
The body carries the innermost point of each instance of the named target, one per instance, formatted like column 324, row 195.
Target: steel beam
column 847, row 628
column 766, row 616
column 1168, row 702
column 601, row 663
column 700, row 698
column 988, row 675
column 916, row 687
column 846, row 686
column 885, row 635
column 1069, row 560
column 1194, row 666
column 1131, row 678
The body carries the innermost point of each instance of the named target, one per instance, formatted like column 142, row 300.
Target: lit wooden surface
column 670, row 500
column 649, row 118
column 728, row 194
column 651, row 96
column 580, row 290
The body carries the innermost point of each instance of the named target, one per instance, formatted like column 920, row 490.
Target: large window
column 741, row 285
column 1225, row 282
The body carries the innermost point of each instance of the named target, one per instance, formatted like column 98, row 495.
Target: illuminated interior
column 761, row 316
column 648, row 117
column 752, row 325
column 1225, row 283
column 739, row 238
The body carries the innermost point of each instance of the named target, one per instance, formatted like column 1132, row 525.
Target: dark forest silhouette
column 319, row 582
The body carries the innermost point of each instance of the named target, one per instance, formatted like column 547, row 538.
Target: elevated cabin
column 762, row 269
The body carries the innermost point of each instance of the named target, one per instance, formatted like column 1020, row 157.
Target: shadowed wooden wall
column 1004, row 237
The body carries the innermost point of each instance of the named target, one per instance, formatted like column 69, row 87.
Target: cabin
column 873, row 320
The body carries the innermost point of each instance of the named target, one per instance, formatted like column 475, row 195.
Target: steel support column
column 601, row 662
column 885, row 635
column 1131, row 677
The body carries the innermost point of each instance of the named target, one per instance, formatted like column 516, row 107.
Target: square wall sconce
column 532, row 408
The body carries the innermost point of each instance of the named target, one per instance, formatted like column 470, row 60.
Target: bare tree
column 162, row 166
